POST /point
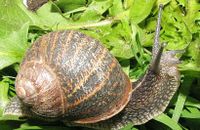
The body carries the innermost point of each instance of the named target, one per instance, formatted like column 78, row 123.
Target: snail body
column 68, row 76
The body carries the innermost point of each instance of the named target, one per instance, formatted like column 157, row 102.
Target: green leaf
column 47, row 19
column 125, row 66
column 122, row 40
column 192, row 102
column 14, row 15
column 13, row 47
column 192, row 15
column 116, row 8
column 4, row 87
column 95, row 10
column 176, row 33
column 192, row 124
column 69, row 5
column 31, row 126
column 190, row 68
column 182, row 2
column 140, row 10
column 190, row 112
column 183, row 93
column 127, row 3
column 168, row 121
column 11, row 118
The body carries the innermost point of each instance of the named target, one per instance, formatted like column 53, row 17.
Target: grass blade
column 168, row 121
column 184, row 91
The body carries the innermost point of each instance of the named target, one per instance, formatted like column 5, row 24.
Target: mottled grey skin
column 151, row 93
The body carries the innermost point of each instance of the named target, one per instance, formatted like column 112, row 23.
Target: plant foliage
column 126, row 28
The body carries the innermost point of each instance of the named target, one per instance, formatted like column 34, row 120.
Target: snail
column 70, row 77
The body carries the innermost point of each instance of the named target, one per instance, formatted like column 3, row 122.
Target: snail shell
column 69, row 75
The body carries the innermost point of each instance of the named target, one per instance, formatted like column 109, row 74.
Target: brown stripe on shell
column 63, row 57
column 42, row 48
column 32, row 54
column 75, row 40
column 70, row 67
column 81, row 71
column 60, row 45
column 46, row 56
column 37, row 49
column 97, row 87
column 115, row 109
column 53, row 40
column 93, row 106
column 63, row 101
column 67, row 43
column 78, row 47
column 69, row 63
column 49, row 46
column 87, row 74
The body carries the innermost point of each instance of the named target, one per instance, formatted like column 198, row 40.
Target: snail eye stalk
column 156, row 45
column 157, row 49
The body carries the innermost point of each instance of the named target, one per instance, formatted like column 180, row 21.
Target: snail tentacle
column 155, row 65
column 157, row 33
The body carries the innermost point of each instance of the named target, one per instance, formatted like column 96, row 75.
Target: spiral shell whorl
column 86, row 79
column 36, row 86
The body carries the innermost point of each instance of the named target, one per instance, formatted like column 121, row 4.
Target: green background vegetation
column 126, row 28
